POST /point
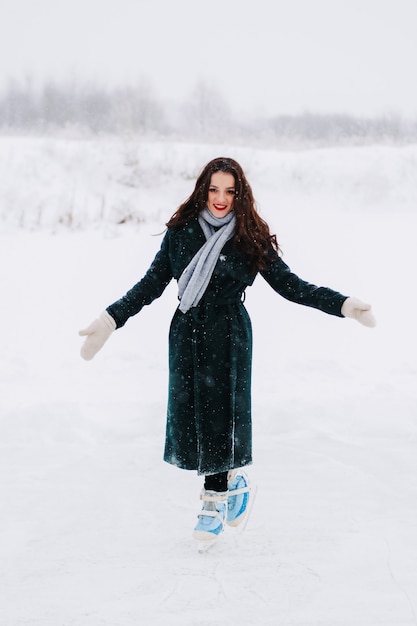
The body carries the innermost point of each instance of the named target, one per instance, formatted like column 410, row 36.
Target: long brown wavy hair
column 252, row 237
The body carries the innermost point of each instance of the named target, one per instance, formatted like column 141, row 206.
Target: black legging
column 216, row 482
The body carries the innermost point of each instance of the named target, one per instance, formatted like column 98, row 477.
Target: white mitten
column 359, row 311
column 97, row 334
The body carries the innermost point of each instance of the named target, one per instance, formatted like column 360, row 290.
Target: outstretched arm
column 279, row 276
column 146, row 290
column 116, row 315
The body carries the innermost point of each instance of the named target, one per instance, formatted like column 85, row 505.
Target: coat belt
column 200, row 312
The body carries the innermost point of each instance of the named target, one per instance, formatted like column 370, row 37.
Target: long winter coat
column 210, row 350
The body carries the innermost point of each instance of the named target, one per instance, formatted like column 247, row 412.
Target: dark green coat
column 210, row 350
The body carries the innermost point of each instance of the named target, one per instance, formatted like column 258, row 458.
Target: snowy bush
column 80, row 183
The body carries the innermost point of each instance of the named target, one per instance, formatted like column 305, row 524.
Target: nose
column 221, row 198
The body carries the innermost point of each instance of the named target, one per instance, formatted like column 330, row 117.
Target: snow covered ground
column 95, row 529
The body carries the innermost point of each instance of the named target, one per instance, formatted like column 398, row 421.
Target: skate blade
column 205, row 546
column 205, row 540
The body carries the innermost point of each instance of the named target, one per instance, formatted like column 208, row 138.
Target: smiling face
column 221, row 194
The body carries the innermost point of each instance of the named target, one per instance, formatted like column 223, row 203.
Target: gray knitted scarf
column 194, row 280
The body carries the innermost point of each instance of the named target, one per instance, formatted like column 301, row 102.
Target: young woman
column 215, row 245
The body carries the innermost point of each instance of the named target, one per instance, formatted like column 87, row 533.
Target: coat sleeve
column 290, row 286
column 150, row 287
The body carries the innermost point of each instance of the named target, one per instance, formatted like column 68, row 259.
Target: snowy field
column 95, row 528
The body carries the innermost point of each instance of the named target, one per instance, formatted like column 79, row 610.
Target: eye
column 212, row 189
column 231, row 192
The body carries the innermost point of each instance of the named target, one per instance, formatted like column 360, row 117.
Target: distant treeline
column 206, row 116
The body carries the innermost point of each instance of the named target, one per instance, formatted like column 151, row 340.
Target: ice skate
column 212, row 517
column 239, row 497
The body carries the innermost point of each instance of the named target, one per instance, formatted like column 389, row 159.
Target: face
column 221, row 194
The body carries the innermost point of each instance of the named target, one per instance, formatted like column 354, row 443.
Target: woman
column 214, row 246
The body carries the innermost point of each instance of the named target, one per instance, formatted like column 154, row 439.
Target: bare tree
column 207, row 114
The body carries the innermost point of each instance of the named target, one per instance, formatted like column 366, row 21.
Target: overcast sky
column 268, row 56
